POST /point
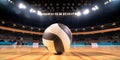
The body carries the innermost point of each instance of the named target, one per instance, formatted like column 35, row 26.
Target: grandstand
column 102, row 38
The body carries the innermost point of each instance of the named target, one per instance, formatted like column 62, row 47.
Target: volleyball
column 57, row 38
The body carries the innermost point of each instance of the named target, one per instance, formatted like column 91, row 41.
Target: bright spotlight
column 102, row 26
column 21, row 6
column 110, row 0
column 32, row 10
column 60, row 13
column 114, row 24
column 56, row 13
column 9, row 0
column 52, row 13
column 106, row 2
column 48, row 13
column 78, row 13
column 39, row 13
column 86, row 11
column 95, row 8
column 64, row 13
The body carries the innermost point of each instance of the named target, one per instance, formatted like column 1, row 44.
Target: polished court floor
column 75, row 53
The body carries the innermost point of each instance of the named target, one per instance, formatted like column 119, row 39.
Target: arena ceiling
column 105, row 14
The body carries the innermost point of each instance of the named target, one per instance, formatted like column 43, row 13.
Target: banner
column 35, row 45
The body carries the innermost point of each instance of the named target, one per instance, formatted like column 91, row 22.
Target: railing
column 74, row 33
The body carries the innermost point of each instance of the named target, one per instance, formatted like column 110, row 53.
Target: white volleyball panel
column 50, row 45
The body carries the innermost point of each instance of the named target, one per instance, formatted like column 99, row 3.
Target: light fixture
column 3, row 22
column 23, row 26
column 102, row 26
column 48, row 13
column 39, row 13
column 52, row 14
column 86, row 11
column 106, row 2
column 32, row 10
column 14, row 24
column 110, row 0
column 76, row 30
column 92, row 27
column 39, row 29
column 9, row 0
column 95, row 8
column 83, row 29
column 21, row 6
column 60, row 13
column 78, row 13
column 56, row 13
column 31, row 28
column 114, row 24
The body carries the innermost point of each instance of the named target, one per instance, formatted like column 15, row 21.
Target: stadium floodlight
column 114, row 24
column 14, row 24
column 64, row 13
column 60, row 13
column 92, row 27
column 51, row 13
column 78, row 13
column 31, row 28
column 23, row 26
column 86, row 11
column 95, row 8
column 48, row 13
column 83, row 29
column 32, row 10
column 3, row 22
column 110, row 0
column 39, row 13
column 106, row 2
column 72, row 14
column 76, row 30
column 9, row 0
column 56, row 13
column 44, row 13
column 102, row 26
column 68, row 13
column 39, row 29
column 21, row 6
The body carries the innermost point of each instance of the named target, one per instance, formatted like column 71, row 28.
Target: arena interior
column 95, row 27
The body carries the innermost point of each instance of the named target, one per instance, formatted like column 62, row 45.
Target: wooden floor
column 76, row 53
